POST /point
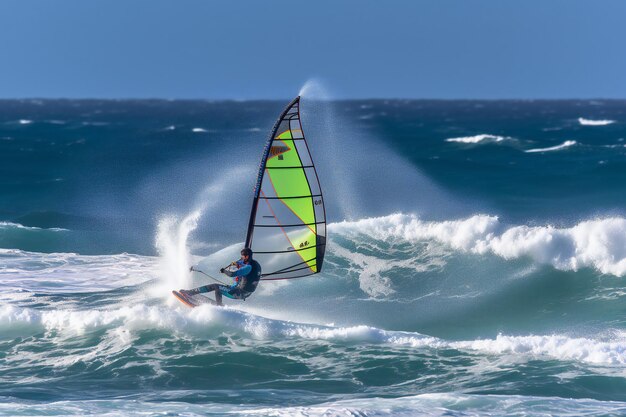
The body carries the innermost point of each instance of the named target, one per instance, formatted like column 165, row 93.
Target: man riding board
column 246, row 278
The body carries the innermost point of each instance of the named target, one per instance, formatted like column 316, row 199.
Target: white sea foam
column 25, row 121
column 560, row 347
column 199, row 130
column 121, row 324
column 371, row 281
column 554, row 346
column 563, row 145
column 11, row 225
column 70, row 272
column 430, row 405
column 483, row 138
column 448, row 404
column 590, row 122
column 172, row 239
column 372, row 270
column 598, row 243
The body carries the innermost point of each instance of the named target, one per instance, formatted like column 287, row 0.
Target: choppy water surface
column 476, row 260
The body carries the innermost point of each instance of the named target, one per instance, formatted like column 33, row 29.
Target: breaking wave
column 598, row 243
column 123, row 323
column 590, row 122
column 564, row 145
column 431, row 405
column 483, row 138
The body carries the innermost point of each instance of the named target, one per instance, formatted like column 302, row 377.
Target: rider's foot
column 186, row 293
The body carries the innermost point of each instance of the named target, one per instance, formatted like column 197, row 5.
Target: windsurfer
column 246, row 278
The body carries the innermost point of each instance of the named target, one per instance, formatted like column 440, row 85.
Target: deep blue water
column 475, row 265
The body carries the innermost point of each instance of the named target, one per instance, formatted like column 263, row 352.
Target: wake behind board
column 194, row 300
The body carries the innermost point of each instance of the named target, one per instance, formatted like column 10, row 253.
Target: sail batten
column 287, row 228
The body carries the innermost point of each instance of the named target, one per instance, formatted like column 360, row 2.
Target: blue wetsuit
column 250, row 271
column 234, row 290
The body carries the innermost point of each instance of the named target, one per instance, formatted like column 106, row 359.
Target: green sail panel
column 287, row 229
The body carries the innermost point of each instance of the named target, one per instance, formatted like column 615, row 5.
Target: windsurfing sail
column 287, row 229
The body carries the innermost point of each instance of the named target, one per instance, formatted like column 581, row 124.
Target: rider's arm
column 239, row 275
column 243, row 271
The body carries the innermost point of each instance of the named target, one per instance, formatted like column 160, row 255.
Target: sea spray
column 323, row 128
column 363, row 172
column 173, row 233
column 171, row 242
column 314, row 89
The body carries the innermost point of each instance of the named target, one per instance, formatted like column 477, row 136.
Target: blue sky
column 268, row 49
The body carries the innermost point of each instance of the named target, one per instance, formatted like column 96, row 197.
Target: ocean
column 475, row 265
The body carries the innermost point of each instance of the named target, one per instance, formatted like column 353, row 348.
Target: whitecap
column 482, row 138
column 598, row 243
column 563, row 145
column 555, row 346
column 11, row 225
column 590, row 122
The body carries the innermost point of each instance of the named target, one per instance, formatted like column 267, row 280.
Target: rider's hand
column 222, row 270
column 191, row 268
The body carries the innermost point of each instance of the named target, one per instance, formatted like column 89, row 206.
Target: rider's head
column 246, row 254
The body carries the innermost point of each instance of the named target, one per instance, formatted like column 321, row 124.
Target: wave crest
column 122, row 324
column 598, row 244
column 563, row 145
column 482, row 138
column 590, row 122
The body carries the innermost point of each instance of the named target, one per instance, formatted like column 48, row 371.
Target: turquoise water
column 476, row 260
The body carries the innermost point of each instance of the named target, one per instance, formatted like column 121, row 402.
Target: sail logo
column 278, row 150
column 304, row 244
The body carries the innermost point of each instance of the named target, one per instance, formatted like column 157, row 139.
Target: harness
column 253, row 278
column 252, row 281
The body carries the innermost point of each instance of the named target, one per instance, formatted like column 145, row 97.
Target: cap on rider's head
column 246, row 252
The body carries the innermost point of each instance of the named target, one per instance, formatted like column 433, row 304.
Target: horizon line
column 35, row 98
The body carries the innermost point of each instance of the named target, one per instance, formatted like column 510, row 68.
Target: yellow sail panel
column 287, row 230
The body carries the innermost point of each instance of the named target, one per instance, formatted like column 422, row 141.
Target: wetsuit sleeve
column 240, row 275
column 243, row 271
